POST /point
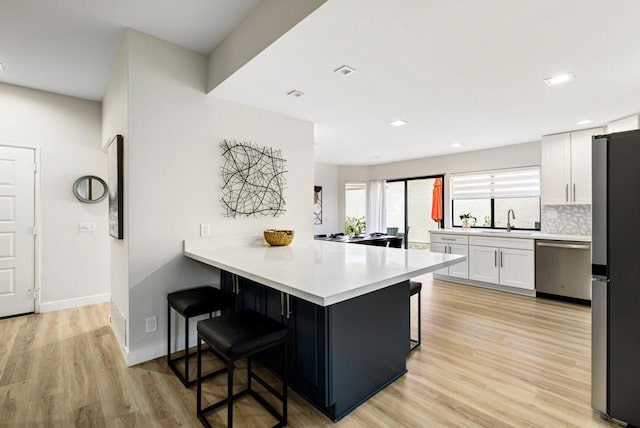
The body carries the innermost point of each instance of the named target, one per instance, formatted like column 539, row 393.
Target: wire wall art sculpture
column 253, row 180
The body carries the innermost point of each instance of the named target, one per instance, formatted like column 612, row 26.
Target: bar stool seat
column 239, row 335
column 415, row 287
column 190, row 303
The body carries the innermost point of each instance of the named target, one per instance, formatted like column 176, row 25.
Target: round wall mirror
column 90, row 189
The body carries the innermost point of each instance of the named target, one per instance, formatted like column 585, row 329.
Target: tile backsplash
column 566, row 219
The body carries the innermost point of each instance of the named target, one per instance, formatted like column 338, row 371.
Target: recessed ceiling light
column 375, row 157
column 295, row 93
column 398, row 122
column 345, row 70
column 456, row 144
column 1, row 66
column 559, row 79
column 583, row 122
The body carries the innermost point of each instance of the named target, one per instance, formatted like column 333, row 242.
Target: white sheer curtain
column 376, row 213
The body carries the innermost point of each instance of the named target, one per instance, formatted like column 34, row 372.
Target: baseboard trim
column 514, row 290
column 147, row 354
column 59, row 305
column 156, row 351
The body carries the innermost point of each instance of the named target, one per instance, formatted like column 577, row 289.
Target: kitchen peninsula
column 347, row 308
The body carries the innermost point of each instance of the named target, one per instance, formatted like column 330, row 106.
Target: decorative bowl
column 278, row 238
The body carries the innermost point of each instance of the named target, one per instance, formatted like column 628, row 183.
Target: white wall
column 74, row 266
column 115, row 120
column 263, row 26
column 500, row 157
column 174, row 177
column 327, row 176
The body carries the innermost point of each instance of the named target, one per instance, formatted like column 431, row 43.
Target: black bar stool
column 190, row 303
column 240, row 335
column 415, row 287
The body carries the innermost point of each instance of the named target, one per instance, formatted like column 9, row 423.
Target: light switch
column 205, row 230
column 87, row 227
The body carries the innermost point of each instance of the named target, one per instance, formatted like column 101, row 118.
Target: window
column 355, row 202
column 489, row 195
column 395, row 205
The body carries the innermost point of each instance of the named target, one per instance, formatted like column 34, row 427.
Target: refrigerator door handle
column 599, row 345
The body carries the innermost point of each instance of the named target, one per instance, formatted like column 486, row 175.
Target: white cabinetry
column 625, row 124
column 502, row 261
column 566, row 167
column 451, row 244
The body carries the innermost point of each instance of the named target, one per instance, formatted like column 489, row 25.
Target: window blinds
column 501, row 183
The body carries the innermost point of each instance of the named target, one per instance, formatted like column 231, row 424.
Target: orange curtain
column 436, row 202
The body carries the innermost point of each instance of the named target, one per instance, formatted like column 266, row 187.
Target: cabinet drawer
column 517, row 243
column 449, row 239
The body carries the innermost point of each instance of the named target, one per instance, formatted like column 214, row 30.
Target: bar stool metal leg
column 419, row 317
column 186, row 350
column 230, row 395
column 168, row 334
column 199, row 378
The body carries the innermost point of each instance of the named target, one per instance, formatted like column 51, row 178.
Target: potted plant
column 467, row 220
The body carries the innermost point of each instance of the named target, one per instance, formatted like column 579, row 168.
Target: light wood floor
column 487, row 359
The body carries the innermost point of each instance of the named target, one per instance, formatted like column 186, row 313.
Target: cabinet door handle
column 566, row 192
column 500, row 258
column 574, row 192
column 281, row 304
column 288, row 308
column 495, row 258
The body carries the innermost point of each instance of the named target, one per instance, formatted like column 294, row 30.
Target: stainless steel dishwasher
column 563, row 268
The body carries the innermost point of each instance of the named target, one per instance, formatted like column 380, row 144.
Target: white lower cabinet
column 517, row 268
column 451, row 244
column 483, row 264
column 490, row 260
column 502, row 261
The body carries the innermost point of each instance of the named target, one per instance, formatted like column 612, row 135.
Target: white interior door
column 17, row 239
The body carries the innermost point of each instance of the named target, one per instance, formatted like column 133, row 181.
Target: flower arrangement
column 355, row 225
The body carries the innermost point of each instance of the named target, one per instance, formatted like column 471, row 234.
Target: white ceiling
column 69, row 46
column 458, row 71
column 463, row 71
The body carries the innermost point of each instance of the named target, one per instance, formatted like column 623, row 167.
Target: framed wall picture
column 317, row 204
column 116, row 186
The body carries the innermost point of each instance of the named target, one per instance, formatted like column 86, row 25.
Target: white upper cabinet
column 566, row 167
column 581, row 165
column 625, row 124
column 555, row 168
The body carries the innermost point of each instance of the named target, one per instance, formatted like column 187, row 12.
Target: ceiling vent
column 345, row 70
column 295, row 93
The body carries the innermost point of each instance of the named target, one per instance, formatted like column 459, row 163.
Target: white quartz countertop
column 320, row 272
column 515, row 234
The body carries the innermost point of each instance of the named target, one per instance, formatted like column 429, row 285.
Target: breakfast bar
column 346, row 306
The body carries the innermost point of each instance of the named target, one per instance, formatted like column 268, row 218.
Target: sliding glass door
column 410, row 209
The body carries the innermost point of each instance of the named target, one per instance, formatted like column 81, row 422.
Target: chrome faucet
column 511, row 214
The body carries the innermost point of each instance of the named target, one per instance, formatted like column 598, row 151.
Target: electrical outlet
column 87, row 227
column 552, row 214
column 205, row 230
column 152, row 324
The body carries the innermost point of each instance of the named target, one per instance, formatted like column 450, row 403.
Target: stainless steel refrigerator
column 615, row 310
